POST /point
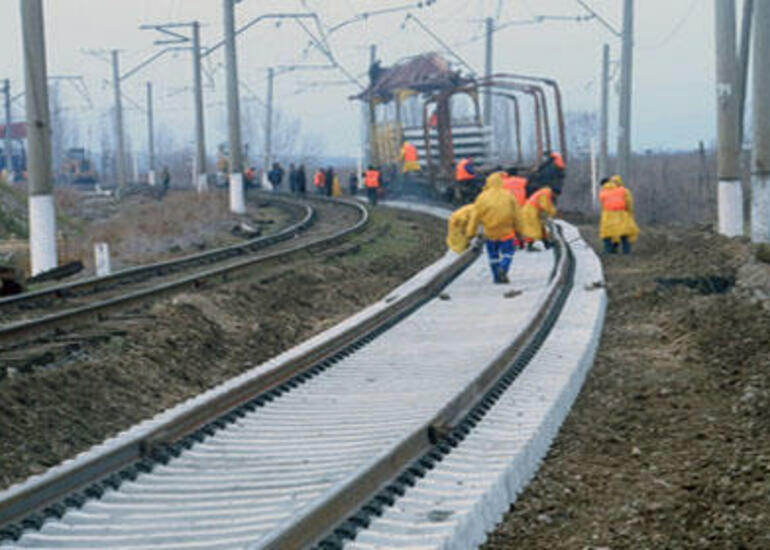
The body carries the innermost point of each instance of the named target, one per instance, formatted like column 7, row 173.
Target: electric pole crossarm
column 601, row 19
column 367, row 14
column 256, row 20
column 150, row 59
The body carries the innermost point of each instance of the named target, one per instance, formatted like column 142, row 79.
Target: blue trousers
column 611, row 247
column 500, row 255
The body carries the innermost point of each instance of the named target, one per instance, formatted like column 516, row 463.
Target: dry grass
column 147, row 229
column 678, row 188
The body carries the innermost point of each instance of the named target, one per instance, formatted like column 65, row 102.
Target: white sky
column 673, row 101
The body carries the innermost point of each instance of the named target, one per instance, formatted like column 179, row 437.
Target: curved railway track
column 84, row 302
column 303, row 217
column 309, row 448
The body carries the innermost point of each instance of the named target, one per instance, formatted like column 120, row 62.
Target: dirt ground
column 194, row 341
column 667, row 445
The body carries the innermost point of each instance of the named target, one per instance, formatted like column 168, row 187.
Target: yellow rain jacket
column 336, row 189
column 496, row 209
column 617, row 218
column 536, row 210
column 458, row 237
column 409, row 157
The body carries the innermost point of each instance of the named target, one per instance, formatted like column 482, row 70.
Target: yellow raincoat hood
column 496, row 209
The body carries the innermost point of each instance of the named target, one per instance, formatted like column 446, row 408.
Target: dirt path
column 667, row 445
column 194, row 341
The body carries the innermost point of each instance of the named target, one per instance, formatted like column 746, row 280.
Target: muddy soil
column 667, row 445
column 194, row 341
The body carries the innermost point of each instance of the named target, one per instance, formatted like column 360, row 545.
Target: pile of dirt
column 194, row 341
column 667, row 444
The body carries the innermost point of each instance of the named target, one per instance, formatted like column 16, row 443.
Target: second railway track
column 35, row 315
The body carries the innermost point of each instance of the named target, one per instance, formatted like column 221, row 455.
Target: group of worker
column 514, row 215
column 509, row 217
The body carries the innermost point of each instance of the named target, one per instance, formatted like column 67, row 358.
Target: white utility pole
column 604, row 120
column 760, row 162
column 200, row 156
column 237, row 202
column 626, row 83
column 490, row 28
column 119, row 141
column 7, row 146
column 150, row 138
column 729, row 191
column 269, row 121
column 42, row 217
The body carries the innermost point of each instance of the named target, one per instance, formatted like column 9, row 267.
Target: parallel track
column 196, row 484
column 84, row 302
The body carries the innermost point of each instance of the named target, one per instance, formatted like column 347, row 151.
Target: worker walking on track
column 617, row 225
column 372, row 183
column 498, row 212
column 536, row 211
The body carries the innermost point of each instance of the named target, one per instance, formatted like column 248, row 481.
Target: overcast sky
column 673, row 101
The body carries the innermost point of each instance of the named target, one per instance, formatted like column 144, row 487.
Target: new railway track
column 317, row 446
column 37, row 315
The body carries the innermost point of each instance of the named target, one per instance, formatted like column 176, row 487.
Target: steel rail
column 319, row 520
column 72, row 318
column 25, row 505
column 144, row 272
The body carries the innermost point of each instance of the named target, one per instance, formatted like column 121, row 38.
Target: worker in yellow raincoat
column 538, row 208
column 617, row 225
column 498, row 212
column 336, row 189
column 458, row 234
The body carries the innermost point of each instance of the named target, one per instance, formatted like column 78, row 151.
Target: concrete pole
column 490, row 24
column 119, row 141
column 42, row 217
column 760, row 164
column 369, row 119
column 626, row 73
column 604, row 122
column 269, row 120
column 150, row 138
column 729, row 192
column 7, row 146
column 201, row 164
column 237, row 202
column 743, row 60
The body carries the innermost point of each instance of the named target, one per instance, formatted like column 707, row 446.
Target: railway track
column 320, row 444
column 36, row 316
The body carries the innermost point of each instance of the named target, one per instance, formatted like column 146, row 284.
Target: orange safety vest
column 517, row 186
column 613, row 199
column 410, row 152
column 462, row 173
column 319, row 179
column 558, row 160
column 372, row 179
column 534, row 199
